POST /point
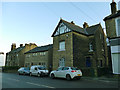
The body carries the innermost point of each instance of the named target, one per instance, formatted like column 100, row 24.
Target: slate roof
column 40, row 49
column 86, row 31
column 91, row 30
column 117, row 14
column 17, row 49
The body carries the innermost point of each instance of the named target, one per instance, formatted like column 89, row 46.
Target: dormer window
column 62, row 28
column 90, row 47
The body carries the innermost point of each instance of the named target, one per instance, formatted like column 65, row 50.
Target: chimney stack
column 21, row 45
column 85, row 25
column 113, row 7
column 13, row 46
column 72, row 22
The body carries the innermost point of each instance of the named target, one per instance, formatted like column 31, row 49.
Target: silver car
column 24, row 71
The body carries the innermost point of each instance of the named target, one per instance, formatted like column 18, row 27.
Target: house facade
column 1, row 59
column 84, row 48
column 112, row 23
column 16, row 56
column 41, row 55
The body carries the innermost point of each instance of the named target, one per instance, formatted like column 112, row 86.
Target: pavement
column 103, row 78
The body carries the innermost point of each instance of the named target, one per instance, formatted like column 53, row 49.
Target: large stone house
column 112, row 23
column 41, row 55
column 16, row 56
column 84, row 48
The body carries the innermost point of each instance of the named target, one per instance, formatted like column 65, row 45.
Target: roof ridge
column 71, row 23
column 94, row 25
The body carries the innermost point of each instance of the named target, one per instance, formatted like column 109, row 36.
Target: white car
column 66, row 72
column 38, row 70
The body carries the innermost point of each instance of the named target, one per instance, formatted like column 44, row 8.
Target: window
column 60, row 68
column 17, row 55
column 74, row 68
column 90, row 47
column 66, row 68
column 118, row 26
column 100, row 36
column 31, row 63
column 62, row 62
column 62, row 45
column 88, row 62
column 62, row 28
column 39, row 63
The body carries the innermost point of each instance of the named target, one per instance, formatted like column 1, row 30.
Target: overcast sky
column 34, row 22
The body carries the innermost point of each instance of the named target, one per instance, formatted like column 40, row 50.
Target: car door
column 64, row 71
column 35, row 70
column 58, row 72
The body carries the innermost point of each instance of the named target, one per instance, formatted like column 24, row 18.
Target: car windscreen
column 27, row 68
column 41, row 68
column 74, row 68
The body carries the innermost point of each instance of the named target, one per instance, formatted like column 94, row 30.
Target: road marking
column 13, row 79
column 40, row 85
column 104, row 81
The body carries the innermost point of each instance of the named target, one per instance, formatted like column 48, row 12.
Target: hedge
column 6, row 68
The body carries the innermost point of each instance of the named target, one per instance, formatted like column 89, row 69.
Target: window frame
column 90, row 47
column 117, row 28
column 61, row 48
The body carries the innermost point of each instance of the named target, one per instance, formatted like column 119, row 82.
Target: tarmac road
column 13, row 80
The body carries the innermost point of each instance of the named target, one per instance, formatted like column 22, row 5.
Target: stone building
column 41, row 55
column 84, row 48
column 112, row 23
column 16, row 56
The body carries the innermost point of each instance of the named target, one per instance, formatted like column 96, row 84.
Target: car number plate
column 78, row 74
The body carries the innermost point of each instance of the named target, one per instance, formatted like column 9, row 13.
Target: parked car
column 66, row 72
column 24, row 71
column 38, row 70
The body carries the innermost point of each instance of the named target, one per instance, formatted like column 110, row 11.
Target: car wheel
column 19, row 73
column 52, row 76
column 68, row 77
column 30, row 74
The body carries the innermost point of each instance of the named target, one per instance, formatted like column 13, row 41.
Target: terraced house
column 41, row 55
column 84, row 48
column 112, row 23
column 16, row 56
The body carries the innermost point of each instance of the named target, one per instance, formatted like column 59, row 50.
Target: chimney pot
column 13, row 46
column 72, row 22
column 21, row 45
column 85, row 25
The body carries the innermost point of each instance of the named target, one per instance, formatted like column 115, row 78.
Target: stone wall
column 67, row 54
